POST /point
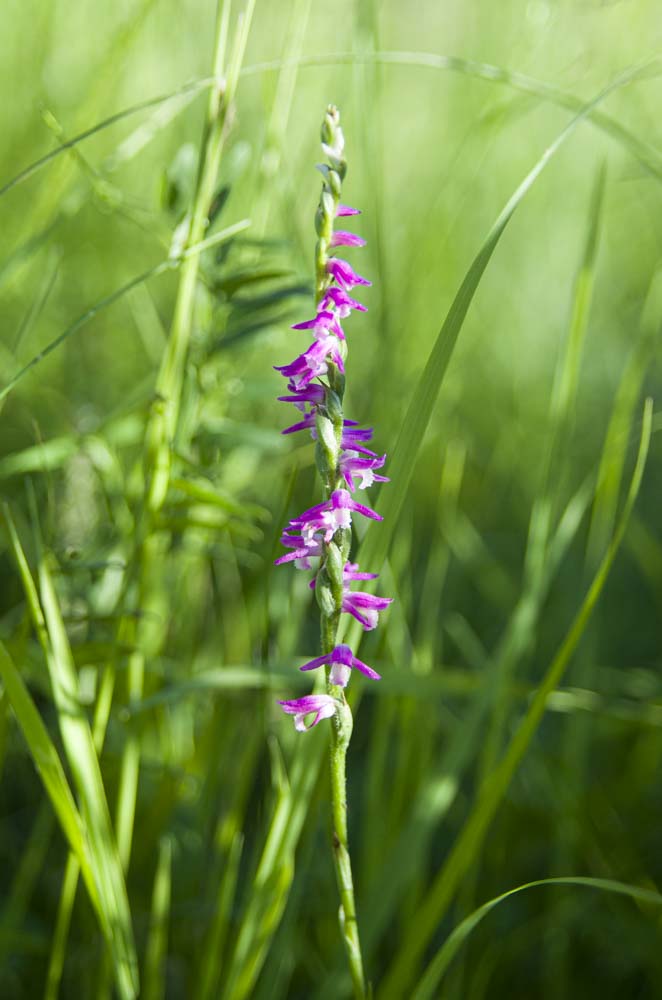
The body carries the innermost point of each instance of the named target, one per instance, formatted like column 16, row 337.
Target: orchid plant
column 320, row 538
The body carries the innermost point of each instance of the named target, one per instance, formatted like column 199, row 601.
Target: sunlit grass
column 144, row 635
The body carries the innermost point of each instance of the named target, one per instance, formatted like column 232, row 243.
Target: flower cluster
column 320, row 538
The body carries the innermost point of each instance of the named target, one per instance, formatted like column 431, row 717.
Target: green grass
column 163, row 831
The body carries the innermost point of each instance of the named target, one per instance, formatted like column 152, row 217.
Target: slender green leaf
column 172, row 263
column 83, row 761
column 157, row 941
column 440, row 894
column 646, row 154
column 375, row 546
column 61, row 932
column 49, row 766
column 429, row 984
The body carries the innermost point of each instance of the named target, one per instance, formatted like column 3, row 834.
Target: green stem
column 341, row 733
column 336, row 552
column 165, row 411
column 349, row 928
column 148, row 634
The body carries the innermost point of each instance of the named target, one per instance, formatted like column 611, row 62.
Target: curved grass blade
column 519, row 636
column 618, row 435
column 72, row 868
column 49, row 766
column 191, row 89
column 83, row 761
column 211, row 961
column 413, row 841
column 428, row 986
column 647, row 155
column 157, row 942
column 438, row 898
column 62, row 924
column 374, row 549
column 84, row 318
column 166, row 265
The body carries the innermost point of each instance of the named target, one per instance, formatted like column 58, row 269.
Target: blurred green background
column 514, row 496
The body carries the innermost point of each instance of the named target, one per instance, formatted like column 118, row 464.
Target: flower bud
column 334, row 181
column 324, row 594
column 333, row 406
column 333, row 565
column 326, row 435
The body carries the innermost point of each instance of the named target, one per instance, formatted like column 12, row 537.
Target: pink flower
column 341, row 660
column 334, row 513
column 323, row 705
column 344, row 273
column 341, row 238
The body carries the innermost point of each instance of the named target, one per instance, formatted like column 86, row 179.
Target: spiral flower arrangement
column 320, row 538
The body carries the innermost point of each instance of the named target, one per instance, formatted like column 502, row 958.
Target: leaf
column 48, row 764
column 83, row 761
column 166, row 265
column 375, row 547
column 435, row 903
column 429, row 984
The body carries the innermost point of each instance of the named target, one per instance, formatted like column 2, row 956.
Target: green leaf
column 401, row 464
column 429, row 984
column 435, row 904
column 157, row 942
column 374, row 549
column 49, row 766
column 83, row 761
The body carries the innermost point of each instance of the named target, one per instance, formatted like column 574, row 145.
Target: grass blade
column 648, row 156
column 374, row 549
column 62, row 923
column 49, row 766
column 170, row 264
column 438, row 898
column 428, row 986
column 84, row 764
column 157, row 942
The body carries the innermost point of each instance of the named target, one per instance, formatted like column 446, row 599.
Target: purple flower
column 303, row 549
column 307, row 424
column 313, row 362
column 341, row 238
column 351, row 436
column 314, row 394
column 323, row 705
column 308, row 539
column 328, row 517
column 324, row 323
column 364, row 607
column 344, row 273
column 343, row 302
column 350, row 571
column 351, row 464
column 341, row 660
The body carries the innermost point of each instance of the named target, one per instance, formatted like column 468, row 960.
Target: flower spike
column 320, row 538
